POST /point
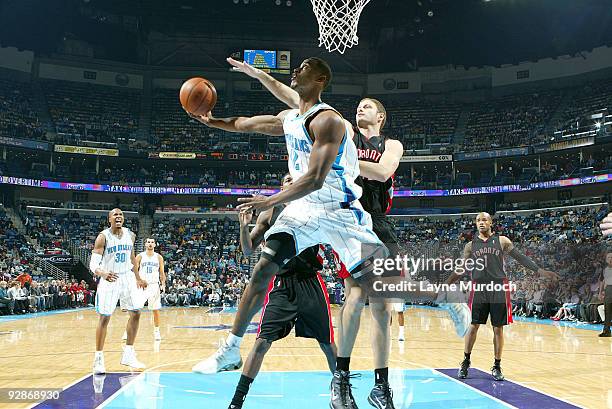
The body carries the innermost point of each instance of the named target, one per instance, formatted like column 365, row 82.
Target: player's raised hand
column 606, row 225
column 205, row 119
column 257, row 202
column 244, row 67
column 245, row 217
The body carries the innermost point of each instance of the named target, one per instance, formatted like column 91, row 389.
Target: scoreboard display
column 261, row 58
column 276, row 62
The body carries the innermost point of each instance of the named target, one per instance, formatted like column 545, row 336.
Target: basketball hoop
column 338, row 20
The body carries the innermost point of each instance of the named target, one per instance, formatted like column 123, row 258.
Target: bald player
column 113, row 260
column 490, row 249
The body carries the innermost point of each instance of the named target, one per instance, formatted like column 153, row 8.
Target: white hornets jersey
column 149, row 267
column 117, row 252
column 339, row 185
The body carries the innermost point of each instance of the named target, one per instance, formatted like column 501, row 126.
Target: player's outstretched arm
column 606, row 225
column 281, row 91
column 265, row 124
column 386, row 167
column 508, row 248
column 328, row 130
column 455, row 275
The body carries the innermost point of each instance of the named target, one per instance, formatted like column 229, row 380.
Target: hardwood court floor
column 56, row 350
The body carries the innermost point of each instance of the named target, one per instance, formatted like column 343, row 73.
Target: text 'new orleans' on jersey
column 117, row 251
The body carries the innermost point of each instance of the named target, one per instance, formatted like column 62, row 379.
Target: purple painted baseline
column 81, row 395
column 509, row 392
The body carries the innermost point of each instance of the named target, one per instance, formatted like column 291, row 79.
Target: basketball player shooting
column 379, row 158
column 113, row 260
column 296, row 298
column 491, row 249
column 330, row 211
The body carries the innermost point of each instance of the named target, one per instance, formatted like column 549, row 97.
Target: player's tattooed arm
column 282, row 92
column 328, row 130
column 265, row 124
column 250, row 240
column 509, row 249
column 386, row 167
column 96, row 260
column 467, row 254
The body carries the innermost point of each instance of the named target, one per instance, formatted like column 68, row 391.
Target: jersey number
column 120, row 258
column 149, row 270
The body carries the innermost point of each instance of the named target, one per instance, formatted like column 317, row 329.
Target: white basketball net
column 338, row 20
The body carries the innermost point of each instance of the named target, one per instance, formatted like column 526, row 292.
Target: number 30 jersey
column 117, row 251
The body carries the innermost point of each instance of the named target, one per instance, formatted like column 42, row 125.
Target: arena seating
column 586, row 100
column 517, row 120
column 17, row 117
column 112, row 116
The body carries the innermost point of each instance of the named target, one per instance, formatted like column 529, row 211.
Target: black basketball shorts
column 495, row 303
column 299, row 300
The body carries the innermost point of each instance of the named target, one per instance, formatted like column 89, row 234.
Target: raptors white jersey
column 149, row 267
column 339, row 185
column 117, row 251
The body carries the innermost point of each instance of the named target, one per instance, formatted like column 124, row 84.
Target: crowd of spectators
column 83, row 111
column 17, row 117
column 205, row 266
column 24, row 295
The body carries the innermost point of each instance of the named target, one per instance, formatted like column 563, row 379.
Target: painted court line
column 119, row 391
column 64, row 388
column 476, row 390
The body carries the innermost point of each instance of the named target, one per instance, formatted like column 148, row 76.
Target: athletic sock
column 467, row 355
column 381, row 375
column 497, row 363
column 241, row 390
column 233, row 340
column 343, row 364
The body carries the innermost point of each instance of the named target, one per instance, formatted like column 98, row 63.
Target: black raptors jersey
column 491, row 253
column 377, row 196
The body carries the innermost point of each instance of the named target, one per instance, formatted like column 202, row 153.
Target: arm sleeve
column 94, row 263
column 523, row 259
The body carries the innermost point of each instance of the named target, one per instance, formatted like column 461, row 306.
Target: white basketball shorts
column 345, row 228
column 123, row 289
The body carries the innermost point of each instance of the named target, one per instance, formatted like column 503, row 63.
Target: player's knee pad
column 279, row 249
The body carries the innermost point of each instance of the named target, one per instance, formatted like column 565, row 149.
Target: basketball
column 198, row 96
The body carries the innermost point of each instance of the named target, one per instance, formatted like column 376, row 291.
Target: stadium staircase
column 460, row 127
column 39, row 103
column 43, row 265
column 556, row 117
column 145, row 230
column 146, row 105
